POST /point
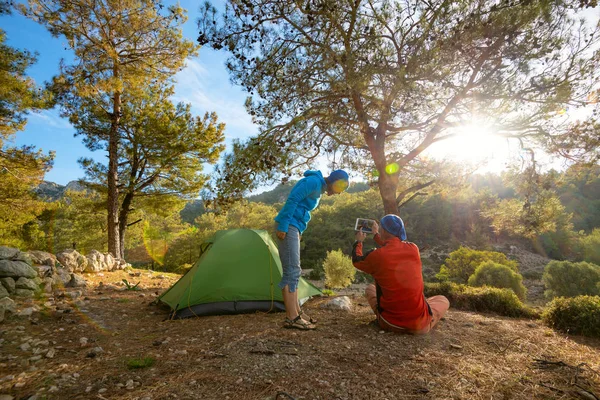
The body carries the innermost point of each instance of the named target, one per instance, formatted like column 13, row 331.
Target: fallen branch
column 501, row 350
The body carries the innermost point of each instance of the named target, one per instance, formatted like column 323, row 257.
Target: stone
column 8, row 304
column 44, row 271
column 21, row 256
column 62, row 277
column 51, row 353
column 9, row 284
column 96, row 262
column 42, row 258
column 25, row 313
column 6, row 397
column 16, row 269
column 48, row 283
column 3, row 292
column 77, row 281
column 339, row 303
column 72, row 260
column 24, row 293
column 24, row 283
column 8, row 253
column 25, row 347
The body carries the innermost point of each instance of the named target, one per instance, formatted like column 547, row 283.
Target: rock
column 25, row 347
column 24, row 293
column 3, row 292
column 96, row 262
column 44, row 271
column 62, row 277
column 24, row 283
column 9, row 284
column 51, row 353
column 74, row 294
column 339, row 303
column 8, row 304
column 129, row 384
column 72, row 260
column 77, row 281
column 102, row 390
column 16, row 269
column 48, row 283
column 42, row 258
column 6, row 397
column 83, row 341
column 53, row 389
column 25, row 313
column 8, row 253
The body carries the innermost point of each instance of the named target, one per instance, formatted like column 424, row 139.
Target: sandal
column 298, row 323
column 309, row 319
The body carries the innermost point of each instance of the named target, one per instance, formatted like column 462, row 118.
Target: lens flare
column 156, row 247
column 339, row 186
column 392, row 168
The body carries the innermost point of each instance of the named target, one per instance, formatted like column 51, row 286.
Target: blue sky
column 204, row 84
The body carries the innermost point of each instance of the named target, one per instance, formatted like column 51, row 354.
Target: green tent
column 237, row 272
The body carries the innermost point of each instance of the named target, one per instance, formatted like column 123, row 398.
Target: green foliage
column 129, row 286
column 497, row 275
column 568, row 279
column 500, row 301
column 577, row 315
column 589, row 247
column 328, row 292
column 140, row 363
column 379, row 110
column 339, row 271
column 461, row 263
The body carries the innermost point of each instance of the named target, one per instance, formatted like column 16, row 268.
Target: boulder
column 42, row 258
column 6, row 306
column 44, row 270
column 21, row 256
column 24, row 283
column 77, row 281
column 3, row 292
column 8, row 253
column 16, row 269
column 23, row 293
column 62, row 277
column 9, row 284
column 72, row 260
column 96, row 262
column 48, row 284
column 339, row 303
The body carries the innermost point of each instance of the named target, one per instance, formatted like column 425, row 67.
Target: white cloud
column 50, row 118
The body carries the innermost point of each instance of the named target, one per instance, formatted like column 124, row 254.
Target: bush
column 577, row 315
column 139, row 363
column 339, row 271
column 567, row 279
column 496, row 275
column 461, row 263
column 590, row 247
column 500, row 301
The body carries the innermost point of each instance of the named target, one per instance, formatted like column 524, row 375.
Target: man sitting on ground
column 397, row 297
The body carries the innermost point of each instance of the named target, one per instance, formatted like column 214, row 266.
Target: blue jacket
column 302, row 200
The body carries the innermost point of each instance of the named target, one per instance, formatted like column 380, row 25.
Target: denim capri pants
column 289, row 254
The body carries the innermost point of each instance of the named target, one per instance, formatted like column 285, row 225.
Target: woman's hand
column 281, row 235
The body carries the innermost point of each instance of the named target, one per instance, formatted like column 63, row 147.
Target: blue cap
column 338, row 174
column 394, row 225
column 338, row 180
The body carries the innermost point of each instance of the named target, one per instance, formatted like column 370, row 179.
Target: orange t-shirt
column 396, row 268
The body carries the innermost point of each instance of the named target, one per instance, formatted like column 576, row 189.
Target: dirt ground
column 80, row 349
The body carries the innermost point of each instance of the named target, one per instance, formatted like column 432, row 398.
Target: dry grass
column 470, row 356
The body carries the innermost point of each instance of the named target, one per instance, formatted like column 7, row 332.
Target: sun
column 474, row 143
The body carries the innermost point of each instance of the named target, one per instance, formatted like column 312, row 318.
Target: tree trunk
column 123, row 217
column 388, row 183
column 114, row 244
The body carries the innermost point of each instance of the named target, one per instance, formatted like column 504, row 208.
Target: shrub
column 328, row 292
column 577, row 315
column 567, row 279
column 590, row 247
column 496, row 275
column 139, row 363
column 339, row 271
column 486, row 299
column 461, row 263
